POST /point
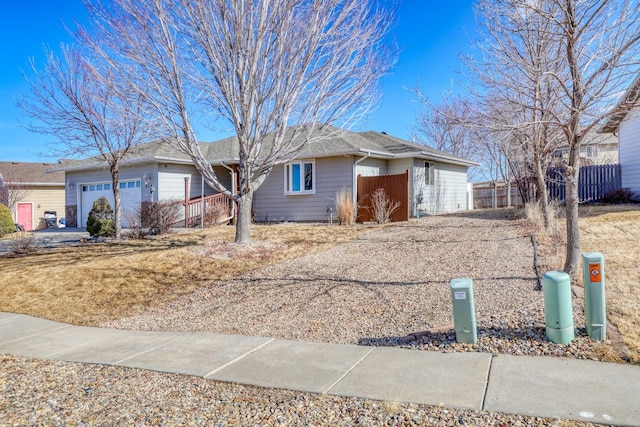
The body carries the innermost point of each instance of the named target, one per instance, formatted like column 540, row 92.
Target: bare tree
column 277, row 71
column 601, row 41
column 89, row 109
column 12, row 191
column 450, row 127
column 519, row 96
column 560, row 64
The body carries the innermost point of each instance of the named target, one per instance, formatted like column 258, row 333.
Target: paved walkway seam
column 10, row 317
column 146, row 351
column 35, row 335
column 348, row 371
column 237, row 359
column 486, row 382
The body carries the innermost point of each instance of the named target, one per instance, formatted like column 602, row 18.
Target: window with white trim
column 429, row 173
column 300, row 177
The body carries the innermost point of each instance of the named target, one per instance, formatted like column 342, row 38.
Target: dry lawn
column 98, row 282
column 614, row 231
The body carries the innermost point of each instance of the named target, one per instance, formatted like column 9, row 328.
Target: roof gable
column 29, row 173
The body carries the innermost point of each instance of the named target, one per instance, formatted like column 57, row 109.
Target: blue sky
column 430, row 33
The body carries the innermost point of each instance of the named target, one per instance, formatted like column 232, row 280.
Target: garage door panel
column 130, row 197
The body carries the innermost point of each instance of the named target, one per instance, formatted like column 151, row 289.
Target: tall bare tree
column 12, row 191
column 562, row 63
column 519, row 52
column 89, row 109
column 277, row 71
column 450, row 127
column 601, row 43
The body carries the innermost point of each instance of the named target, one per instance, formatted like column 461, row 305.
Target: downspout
column 355, row 181
column 202, row 201
column 233, row 185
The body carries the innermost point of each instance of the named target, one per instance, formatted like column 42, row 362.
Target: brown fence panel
column 397, row 189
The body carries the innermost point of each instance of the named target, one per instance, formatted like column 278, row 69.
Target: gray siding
column 171, row 181
column 371, row 167
column 270, row 203
column 630, row 151
column 102, row 175
column 398, row 166
column 447, row 194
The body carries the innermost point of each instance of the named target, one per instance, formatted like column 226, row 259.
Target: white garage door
column 130, row 197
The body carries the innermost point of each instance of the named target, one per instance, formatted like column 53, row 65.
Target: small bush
column 382, row 206
column 212, row 215
column 345, row 207
column 100, row 222
column 159, row 216
column 23, row 243
column 618, row 196
column 6, row 221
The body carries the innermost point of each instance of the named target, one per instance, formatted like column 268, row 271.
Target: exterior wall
column 371, row 167
column 448, row 192
column 629, row 137
column 43, row 198
column 600, row 154
column 75, row 180
column 102, row 175
column 171, row 181
column 271, row 204
column 398, row 166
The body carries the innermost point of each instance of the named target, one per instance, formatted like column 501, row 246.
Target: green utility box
column 558, row 310
column 464, row 313
column 595, row 311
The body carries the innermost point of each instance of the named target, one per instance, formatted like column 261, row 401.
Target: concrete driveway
column 50, row 238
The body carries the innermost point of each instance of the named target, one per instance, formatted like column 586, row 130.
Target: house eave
column 34, row 184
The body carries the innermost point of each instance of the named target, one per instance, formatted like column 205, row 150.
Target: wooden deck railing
column 218, row 205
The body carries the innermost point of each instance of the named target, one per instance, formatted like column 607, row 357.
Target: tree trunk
column 115, row 181
column 243, row 225
column 543, row 197
column 572, row 172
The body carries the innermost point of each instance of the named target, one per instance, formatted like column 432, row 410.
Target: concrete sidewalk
column 536, row 386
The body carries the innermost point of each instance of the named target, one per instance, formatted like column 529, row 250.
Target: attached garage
column 130, row 198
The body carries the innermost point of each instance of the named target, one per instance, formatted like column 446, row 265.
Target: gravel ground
column 40, row 393
column 383, row 287
column 374, row 291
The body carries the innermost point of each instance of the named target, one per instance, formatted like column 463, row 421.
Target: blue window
column 300, row 178
column 99, row 187
column 107, row 186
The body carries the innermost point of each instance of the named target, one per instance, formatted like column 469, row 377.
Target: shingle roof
column 631, row 97
column 330, row 142
column 29, row 173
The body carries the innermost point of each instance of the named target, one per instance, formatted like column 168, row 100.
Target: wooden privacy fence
column 495, row 195
column 594, row 182
column 395, row 186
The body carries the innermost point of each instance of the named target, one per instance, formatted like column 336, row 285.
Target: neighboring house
column 301, row 190
column 626, row 127
column 32, row 191
column 595, row 149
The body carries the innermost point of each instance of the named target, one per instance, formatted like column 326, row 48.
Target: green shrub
column 6, row 221
column 100, row 222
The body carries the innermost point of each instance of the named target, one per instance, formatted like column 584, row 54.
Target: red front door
column 25, row 216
